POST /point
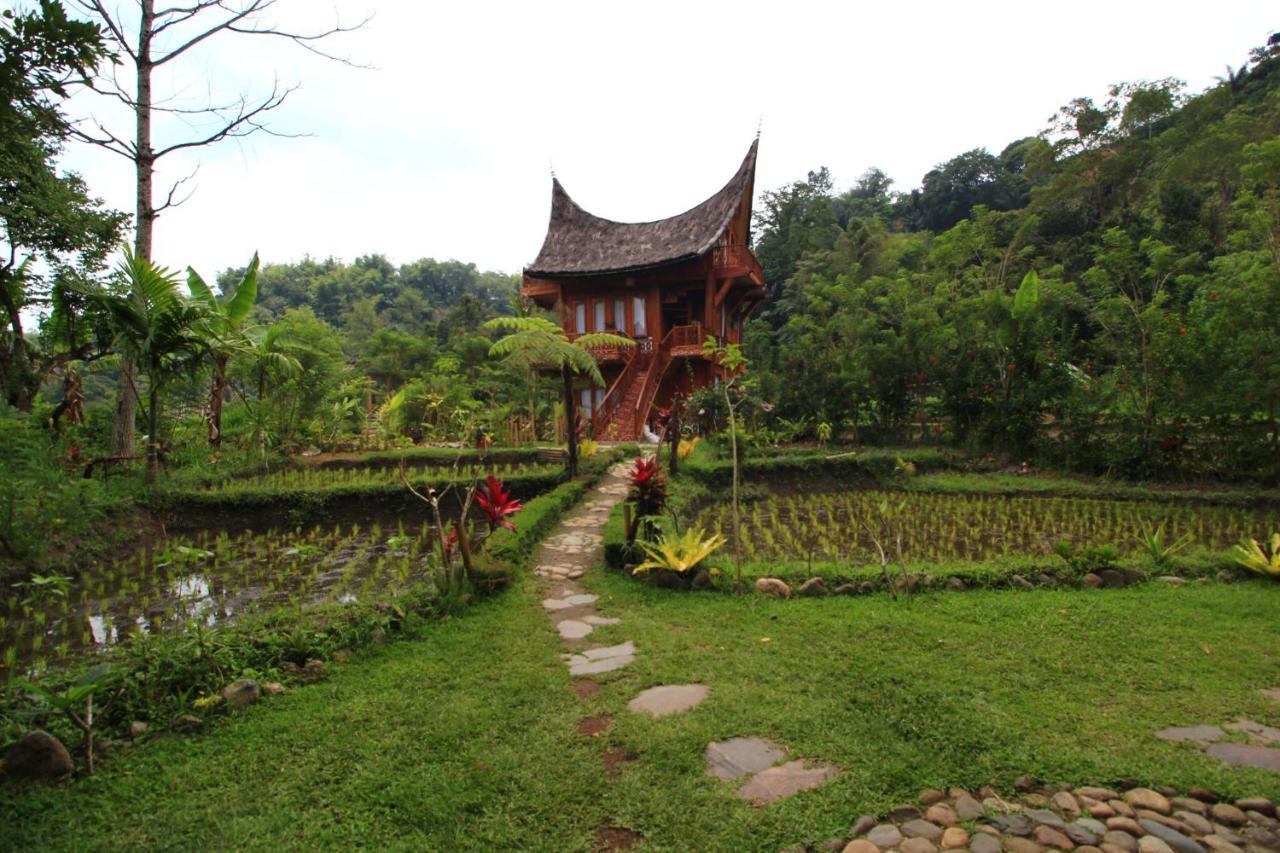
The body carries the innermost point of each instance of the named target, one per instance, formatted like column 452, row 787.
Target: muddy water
column 209, row 579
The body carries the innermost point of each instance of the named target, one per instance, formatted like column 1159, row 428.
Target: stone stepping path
column 598, row 660
column 758, row 759
column 741, row 756
column 572, row 549
column 1260, row 751
column 669, row 699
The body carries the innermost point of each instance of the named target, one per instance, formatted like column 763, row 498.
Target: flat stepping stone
column 627, row 648
column 555, row 604
column 582, row 598
column 736, row 757
column 1194, row 734
column 668, row 699
column 572, row 629
column 1246, row 755
column 781, row 782
column 1272, row 693
column 601, row 620
column 579, row 665
column 603, row 659
column 1257, row 732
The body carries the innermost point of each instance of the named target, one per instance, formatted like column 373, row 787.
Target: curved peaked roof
column 580, row 243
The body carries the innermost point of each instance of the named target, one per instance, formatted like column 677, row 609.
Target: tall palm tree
column 225, row 321
column 537, row 343
column 158, row 331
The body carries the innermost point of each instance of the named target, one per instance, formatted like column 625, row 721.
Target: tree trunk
column 122, row 429
column 216, row 393
column 570, row 416
column 153, row 425
column 15, row 366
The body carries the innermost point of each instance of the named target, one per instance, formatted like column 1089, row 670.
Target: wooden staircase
column 622, row 414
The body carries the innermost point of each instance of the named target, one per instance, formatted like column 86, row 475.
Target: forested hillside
column 1102, row 295
column 1099, row 296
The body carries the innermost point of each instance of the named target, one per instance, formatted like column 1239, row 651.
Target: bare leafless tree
column 145, row 39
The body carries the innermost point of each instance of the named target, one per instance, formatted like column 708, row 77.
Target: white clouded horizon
column 443, row 149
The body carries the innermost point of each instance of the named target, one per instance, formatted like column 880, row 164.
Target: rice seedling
column 207, row 578
column 939, row 527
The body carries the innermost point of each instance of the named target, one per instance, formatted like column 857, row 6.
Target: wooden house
column 667, row 284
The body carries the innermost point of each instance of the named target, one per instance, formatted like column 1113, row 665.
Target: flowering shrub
column 497, row 503
column 648, row 486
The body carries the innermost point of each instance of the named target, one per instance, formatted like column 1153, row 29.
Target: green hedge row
column 861, row 465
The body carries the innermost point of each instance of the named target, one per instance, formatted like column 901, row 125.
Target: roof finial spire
column 759, row 125
column 552, row 165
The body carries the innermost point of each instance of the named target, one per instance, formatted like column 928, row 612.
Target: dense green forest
column 1099, row 296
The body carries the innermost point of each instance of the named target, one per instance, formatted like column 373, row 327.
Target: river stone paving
column 668, row 699
column 1054, row 819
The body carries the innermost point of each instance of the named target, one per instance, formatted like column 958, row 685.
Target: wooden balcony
column 737, row 261
column 686, row 341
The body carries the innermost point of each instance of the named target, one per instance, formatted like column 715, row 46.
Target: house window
column 585, row 402
column 620, row 314
column 599, row 308
column 580, row 317
column 638, row 327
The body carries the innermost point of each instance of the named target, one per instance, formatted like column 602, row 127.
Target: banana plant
column 225, row 322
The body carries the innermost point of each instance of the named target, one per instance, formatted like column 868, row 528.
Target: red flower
column 497, row 503
column 1182, row 330
column 450, row 542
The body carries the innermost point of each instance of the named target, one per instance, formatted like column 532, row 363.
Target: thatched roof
column 579, row 243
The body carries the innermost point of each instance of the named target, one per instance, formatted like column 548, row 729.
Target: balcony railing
column 686, row 340
column 737, row 261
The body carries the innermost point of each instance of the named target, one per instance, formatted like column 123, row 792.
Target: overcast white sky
column 443, row 149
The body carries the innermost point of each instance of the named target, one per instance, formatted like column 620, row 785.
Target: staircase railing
column 604, row 413
column 648, row 388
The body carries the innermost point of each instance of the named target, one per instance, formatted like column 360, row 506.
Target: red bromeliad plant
column 496, row 501
column 648, row 486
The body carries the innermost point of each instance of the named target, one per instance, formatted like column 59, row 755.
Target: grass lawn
column 465, row 739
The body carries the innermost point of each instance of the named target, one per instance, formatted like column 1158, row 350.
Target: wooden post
column 570, row 416
column 627, row 532
column 709, row 316
column 673, row 434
